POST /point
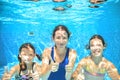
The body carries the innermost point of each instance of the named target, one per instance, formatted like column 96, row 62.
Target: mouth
column 61, row 45
column 96, row 52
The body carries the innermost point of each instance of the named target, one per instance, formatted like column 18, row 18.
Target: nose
column 61, row 40
column 26, row 57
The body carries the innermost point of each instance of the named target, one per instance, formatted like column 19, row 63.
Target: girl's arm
column 8, row 75
column 79, row 69
column 112, row 71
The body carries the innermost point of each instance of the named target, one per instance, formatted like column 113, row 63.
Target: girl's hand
column 6, row 76
column 80, row 77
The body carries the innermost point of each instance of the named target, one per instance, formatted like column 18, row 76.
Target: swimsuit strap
column 32, row 68
column 52, row 54
column 66, row 56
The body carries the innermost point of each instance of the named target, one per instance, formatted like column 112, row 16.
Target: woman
column 95, row 66
column 58, row 61
column 26, row 69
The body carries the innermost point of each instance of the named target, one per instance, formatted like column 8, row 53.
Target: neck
column 97, row 59
column 60, row 51
column 29, row 65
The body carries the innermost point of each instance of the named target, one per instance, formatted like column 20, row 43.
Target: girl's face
column 96, row 47
column 60, row 38
column 27, row 55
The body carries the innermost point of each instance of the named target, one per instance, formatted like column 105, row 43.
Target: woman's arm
column 70, row 66
column 36, row 75
column 72, row 57
column 45, row 63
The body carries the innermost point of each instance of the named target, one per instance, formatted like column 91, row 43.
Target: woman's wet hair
column 61, row 27
column 98, row 37
column 27, row 46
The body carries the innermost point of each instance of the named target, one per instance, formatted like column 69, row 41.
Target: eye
column 99, row 44
column 91, row 45
column 64, row 37
column 30, row 54
column 24, row 54
column 58, row 37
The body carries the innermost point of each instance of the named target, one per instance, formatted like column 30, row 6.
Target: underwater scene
column 33, row 21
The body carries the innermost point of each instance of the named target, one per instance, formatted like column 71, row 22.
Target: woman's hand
column 54, row 67
column 68, row 69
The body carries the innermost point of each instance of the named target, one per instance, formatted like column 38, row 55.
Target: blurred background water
column 28, row 21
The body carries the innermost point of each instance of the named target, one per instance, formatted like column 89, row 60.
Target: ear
column 52, row 38
column 34, row 54
column 19, row 55
column 104, row 46
column 87, row 46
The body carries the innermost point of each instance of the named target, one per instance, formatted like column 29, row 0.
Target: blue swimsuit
column 60, row 74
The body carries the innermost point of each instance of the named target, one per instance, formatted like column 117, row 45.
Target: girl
column 95, row 66
column 26, row 69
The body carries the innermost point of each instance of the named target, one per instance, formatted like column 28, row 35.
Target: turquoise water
column 27, row 21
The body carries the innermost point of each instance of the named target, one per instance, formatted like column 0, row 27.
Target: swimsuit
column 24, row 77
column 95, row 76
column 60, row 74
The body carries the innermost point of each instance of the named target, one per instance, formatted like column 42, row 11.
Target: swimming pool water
column 27, row 21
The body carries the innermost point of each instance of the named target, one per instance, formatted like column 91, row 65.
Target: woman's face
column 60, row 38
column 27, row 55
column 96, row 47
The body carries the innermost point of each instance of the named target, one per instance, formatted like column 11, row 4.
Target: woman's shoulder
column 47, row 52
column 48, row 49
column 72, row 52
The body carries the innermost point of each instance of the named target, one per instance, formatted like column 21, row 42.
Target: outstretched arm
column 8, row 75
column 112, row 72
column 79, row 70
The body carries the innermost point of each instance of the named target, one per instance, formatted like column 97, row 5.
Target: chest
column 93, row 68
